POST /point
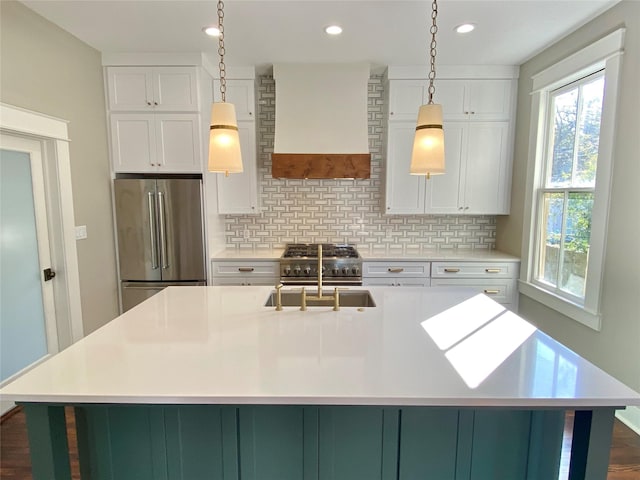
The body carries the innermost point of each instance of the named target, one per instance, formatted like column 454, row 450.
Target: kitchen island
column 207, row 382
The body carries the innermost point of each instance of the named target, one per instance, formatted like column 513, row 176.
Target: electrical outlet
column 246, row 234
column 81, row 232
column 388, row 232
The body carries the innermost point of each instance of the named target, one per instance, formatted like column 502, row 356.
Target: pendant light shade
column 427, row 157
column 224, row 141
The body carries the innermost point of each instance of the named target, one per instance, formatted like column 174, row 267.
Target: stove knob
column 287, row 271
column 355, row 271
column 296, row 270
column 345, row 270
column 307, row 270
column 335, row 271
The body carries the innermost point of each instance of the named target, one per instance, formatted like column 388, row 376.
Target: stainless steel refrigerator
column 160, row 235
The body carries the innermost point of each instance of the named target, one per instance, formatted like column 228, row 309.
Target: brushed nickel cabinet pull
column 451, row 270
column 492, row 270
column 492, row 292
column 396, row 270
column 245, row 269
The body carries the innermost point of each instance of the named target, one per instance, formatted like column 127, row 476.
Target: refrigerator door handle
column 163, row 236
column 152, row 228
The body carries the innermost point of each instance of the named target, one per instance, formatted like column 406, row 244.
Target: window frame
column 604, row 54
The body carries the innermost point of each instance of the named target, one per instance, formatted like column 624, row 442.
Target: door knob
column 48, row 274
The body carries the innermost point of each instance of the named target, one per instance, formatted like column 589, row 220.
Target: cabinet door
column 476, row 100
column 175, row 89
column 242, row 94
column 405, row 98
column 350, row 443
column 486, row 183
column 404, row 192
column 130, row 88
column 178, row 143
column 238, row 193
column 133, row 142
column 271, row 442
column 443, row 191
column 489, row 99
column 452, row 95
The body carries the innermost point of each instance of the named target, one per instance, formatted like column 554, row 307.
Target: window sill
column 561, row 305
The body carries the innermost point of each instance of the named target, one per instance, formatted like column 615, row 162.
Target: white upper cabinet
column 478, row 174
column 238, row 193
column 460, row 99
column 405, row 99
column 242, row 94
column 478, row 131
column 161, row 89
column 404, row 192
column 147, row 143
column 475, row 99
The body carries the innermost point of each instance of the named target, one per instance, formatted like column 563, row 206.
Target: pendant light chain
column 221, row 52
column 432, row 50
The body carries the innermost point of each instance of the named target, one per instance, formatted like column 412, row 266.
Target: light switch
column 81, row 232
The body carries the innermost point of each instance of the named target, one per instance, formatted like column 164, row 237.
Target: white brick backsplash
column 344, row 211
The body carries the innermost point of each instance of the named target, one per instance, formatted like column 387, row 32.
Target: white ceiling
column 381, row 32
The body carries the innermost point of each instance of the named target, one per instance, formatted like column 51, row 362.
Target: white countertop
column 458, row 255
column 219, row 345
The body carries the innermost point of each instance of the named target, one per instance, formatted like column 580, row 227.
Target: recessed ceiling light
column 211, row 30
column 333, row 30
column 465, row 28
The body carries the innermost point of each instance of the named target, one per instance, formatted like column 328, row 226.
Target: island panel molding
column 226, row 442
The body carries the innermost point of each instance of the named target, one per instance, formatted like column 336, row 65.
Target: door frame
column 56, row 165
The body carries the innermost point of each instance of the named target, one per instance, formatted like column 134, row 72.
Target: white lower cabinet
column 497, row 280
column 396, row 274
column 246, row 272
column 499, row 290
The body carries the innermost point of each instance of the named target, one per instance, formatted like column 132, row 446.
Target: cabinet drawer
column 246, row 269
column 247, row 280
column 473, row 270
column 396, row 269
column 396, row 282
column 499, row 290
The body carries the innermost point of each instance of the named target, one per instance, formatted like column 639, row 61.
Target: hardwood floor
column 15, row 464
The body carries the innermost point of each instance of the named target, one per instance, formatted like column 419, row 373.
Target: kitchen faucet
column 335, row 297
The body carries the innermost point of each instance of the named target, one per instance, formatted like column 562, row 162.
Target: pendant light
column 427, row 157
column 224, row 141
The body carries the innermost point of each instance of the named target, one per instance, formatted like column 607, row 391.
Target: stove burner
column 341, row 264
column 310, row 250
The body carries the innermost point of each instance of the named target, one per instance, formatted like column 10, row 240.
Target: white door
column 28, row 329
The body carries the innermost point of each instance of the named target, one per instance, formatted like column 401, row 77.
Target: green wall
column 45, row 69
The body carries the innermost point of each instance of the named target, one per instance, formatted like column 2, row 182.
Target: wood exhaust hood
column 321, row 126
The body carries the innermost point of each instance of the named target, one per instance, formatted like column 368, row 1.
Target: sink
column 348, row 298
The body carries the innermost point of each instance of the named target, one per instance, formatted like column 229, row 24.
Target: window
column 565, row 199
column 571, row 155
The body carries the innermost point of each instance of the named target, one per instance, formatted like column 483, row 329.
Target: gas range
column 341, row 264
